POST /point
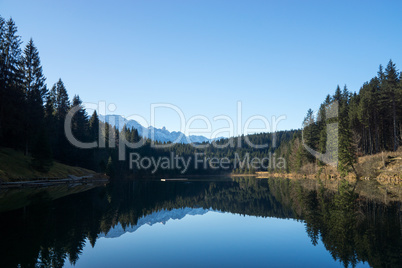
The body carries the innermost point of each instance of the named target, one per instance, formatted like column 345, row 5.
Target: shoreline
column 382, row 179
column 45, row 182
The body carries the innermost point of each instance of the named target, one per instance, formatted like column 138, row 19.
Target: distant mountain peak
column 156, row 134
column 161, row 216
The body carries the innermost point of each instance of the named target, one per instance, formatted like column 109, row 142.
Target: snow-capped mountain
column 157, row 134
column 161, row 216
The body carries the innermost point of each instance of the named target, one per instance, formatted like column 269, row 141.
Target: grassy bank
column 385, row 168
column 15, row 166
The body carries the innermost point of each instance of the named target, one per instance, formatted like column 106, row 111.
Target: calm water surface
column 201, row 223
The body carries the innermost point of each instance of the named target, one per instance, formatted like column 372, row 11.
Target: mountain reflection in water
column 352, row 228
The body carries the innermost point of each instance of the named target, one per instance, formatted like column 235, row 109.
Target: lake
column 213, row 222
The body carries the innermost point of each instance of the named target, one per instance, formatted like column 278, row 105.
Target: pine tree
column 368, row 114
column 95, row 158
column 62, row 106
column 50, row 106
column 346, row 153
column 62, row 101
column 35, row 92
column 80, row 128
column 80, row 123
column 394, row 98
column 12, row 104
column 338, row 94
column 310, row 134
column 322, row 127
column 50, row 118
column 94, row 127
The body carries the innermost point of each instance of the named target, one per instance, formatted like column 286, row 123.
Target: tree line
column 32, row 119
column 347, row 125
column 32, row 115
column 366, row 122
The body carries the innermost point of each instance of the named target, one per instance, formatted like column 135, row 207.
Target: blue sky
column 276, row 57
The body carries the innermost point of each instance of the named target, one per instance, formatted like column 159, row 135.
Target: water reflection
column 161, row 216
column 50, row 233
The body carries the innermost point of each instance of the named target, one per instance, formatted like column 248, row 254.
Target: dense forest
column 32, row 120
column 32, row 115
column 368, row 122
column 347, row 125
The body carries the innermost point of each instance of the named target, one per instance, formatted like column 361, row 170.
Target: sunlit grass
column 14, row 166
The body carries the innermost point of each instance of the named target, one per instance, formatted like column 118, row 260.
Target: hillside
column 384, row 168
column 14, row 166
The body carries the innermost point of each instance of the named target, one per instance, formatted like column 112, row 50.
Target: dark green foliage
column 35, row 92
column 364, row 123
column 80, row 131
column 310, row 134
column 42, row 153
column 347, row 152
column 378, row 108
column 393, row 99
column 368, row 122
column 23, row 85
column 94, row 127
column 62, row 106
column 12, row 99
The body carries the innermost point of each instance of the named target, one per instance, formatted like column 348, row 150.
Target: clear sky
column 276, row 57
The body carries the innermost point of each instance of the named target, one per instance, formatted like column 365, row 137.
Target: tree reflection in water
column 351, row 227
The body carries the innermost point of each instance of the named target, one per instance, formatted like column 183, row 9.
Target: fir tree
column 62, row 101
column 310, row 134
column 35, row 92
column 62, row 106
column 12, row 104
column 94, row 127
column 80, row 131
column 394, row 98
column 50, row 118
column 346, row 153
column 95, row 157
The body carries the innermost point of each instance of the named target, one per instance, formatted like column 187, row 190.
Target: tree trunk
column 370, row 141
column 377, row 134
column 394, row 124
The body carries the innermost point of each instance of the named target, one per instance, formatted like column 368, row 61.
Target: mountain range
column 156, row 134
column 161, row 216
